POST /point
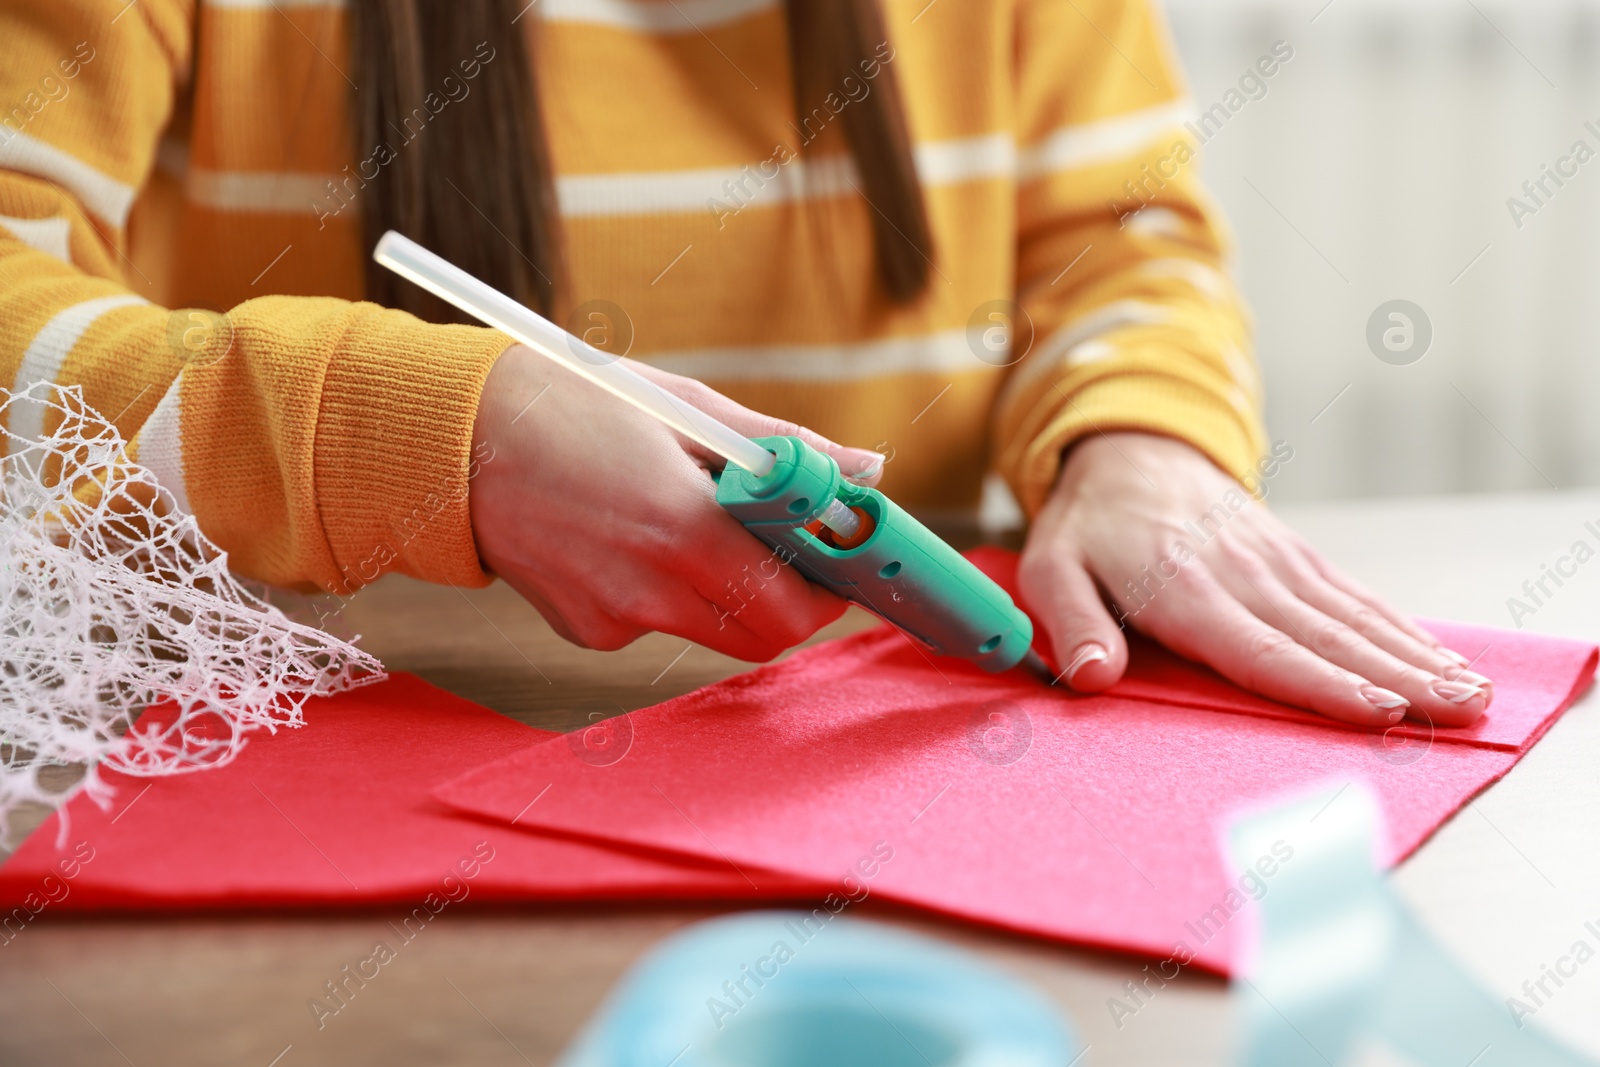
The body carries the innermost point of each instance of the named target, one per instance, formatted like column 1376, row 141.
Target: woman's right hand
column 607, row 521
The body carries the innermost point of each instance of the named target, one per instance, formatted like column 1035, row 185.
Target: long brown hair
column 479, row 187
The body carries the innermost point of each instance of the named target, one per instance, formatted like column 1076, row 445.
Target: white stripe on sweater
column 643, row 16
column 259, row 5
column 161, row 445
column 267, row 192
column 762, row 183
column 652, row 16
column 1102, row 141
column 712, row 189
column 46, row 353
column 719, row 189
column 96, row 190
column 1077, row 342
column 946, row 352
column 51, row 236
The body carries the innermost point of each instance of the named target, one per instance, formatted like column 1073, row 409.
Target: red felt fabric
column 1103, row 831
column 337, row 813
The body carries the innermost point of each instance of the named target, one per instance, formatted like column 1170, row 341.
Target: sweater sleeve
column 1121, row 283
column 320, row 442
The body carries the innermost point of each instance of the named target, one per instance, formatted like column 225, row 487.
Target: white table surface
column 1509, row 882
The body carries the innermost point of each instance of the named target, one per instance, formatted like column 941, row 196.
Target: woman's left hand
column 1192, row 560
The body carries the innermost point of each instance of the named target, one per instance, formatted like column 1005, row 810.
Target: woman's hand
column 1189, row 558
column 607, row 522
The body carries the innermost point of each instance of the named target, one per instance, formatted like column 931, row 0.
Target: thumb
column 861, row 465
column 1090, row 650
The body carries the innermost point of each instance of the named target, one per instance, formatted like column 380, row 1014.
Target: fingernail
column 1453, row 656
column 1471, row 678
column 1086, row 654
column 868, row 464
column 1458, row 692
column 1384, row 699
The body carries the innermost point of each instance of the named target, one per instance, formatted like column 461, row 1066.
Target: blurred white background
column 1378, row 167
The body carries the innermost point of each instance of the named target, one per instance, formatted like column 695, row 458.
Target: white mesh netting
column 111, row 599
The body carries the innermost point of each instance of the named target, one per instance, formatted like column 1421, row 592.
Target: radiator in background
column 1378, row 166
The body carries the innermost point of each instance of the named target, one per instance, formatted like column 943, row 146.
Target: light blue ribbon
column 1340, row 962
column 838, row 993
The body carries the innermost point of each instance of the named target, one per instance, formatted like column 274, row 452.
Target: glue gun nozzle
column 1035, row 663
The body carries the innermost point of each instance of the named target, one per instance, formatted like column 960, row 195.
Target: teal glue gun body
column 894, row 567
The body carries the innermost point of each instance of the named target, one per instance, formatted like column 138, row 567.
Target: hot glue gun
column 845, row 537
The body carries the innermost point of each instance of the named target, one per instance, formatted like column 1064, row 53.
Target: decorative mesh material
column 111, row 599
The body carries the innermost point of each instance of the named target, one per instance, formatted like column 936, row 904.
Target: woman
column 969, row 233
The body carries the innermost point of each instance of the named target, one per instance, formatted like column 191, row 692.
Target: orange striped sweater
column 158, row 156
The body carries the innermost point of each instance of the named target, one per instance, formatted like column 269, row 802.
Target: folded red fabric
column 337, row 813
column 1001, row 800
column 1521, row 712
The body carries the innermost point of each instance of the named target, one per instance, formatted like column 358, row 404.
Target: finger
column 753, row 584
column 1435, row 699
column 861, row 465
column 705, row 579
column 681, row 611
column 1198, row 618
column 645, row 604
column 1091, row 652
column 728, row 627
column 1348, row 585
column 720, row 629
column 1310, row 586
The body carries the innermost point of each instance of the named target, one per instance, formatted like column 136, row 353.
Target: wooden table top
column 510, row 985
